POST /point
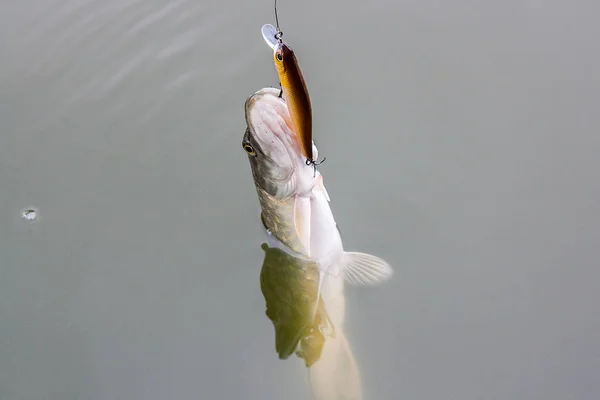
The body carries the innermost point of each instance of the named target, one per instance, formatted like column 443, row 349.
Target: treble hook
column 315, row 164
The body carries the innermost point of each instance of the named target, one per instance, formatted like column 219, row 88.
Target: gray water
column 462, row 142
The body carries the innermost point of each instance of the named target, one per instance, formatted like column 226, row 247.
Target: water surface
column 462, row 146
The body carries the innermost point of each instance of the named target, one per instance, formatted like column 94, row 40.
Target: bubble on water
column 30, row 214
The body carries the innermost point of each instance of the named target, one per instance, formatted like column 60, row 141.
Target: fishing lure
column 294, row 87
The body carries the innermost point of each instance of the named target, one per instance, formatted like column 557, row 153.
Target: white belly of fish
column 325, row 241
column 320, row 239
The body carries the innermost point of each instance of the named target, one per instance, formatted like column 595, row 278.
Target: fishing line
column 279, row 34
column 278, row 37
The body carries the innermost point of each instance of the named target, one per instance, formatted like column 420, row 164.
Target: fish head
column 276, row 159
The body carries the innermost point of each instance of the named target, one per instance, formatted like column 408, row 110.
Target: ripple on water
column 30, row 214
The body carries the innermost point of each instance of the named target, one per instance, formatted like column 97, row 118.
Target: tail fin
column 335, row 376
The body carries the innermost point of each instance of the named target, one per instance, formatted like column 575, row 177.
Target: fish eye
column 249, row 149
column 279, row 57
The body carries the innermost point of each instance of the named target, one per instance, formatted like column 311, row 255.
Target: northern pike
column 295, row 210
column 293, row 199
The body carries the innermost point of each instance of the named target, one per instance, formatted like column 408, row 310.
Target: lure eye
column 249, row 149
column 279, row 57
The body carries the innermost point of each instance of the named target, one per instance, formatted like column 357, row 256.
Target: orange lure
column 296, row 94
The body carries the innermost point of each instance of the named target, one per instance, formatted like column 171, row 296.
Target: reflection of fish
column 290, row 285
column 308, row 322
column 305, row 264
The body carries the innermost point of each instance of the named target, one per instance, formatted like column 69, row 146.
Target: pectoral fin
column 365, row 269
column 302, row 222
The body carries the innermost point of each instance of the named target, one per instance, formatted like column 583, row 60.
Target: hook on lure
column 315, row 164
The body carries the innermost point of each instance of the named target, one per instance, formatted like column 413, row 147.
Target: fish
column 294, row 88
column 295, row 205
column 297, row 219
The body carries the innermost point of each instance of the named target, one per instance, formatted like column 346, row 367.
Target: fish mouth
column 266, row 110
column 262, row 93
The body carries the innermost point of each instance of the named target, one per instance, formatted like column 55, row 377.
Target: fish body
column 295, row 206
column 306, row 266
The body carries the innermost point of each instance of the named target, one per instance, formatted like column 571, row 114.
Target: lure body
column 294, row 88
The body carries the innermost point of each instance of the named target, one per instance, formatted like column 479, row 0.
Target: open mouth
column 265, row 110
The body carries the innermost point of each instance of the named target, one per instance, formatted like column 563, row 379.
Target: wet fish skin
column 293, row 199
column 281, row 177
column 299, row 224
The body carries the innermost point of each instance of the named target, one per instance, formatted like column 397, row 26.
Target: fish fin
column 365, row 269
column 302, row 221
column 320, row 187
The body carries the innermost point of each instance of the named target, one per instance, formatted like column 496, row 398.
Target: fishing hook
column 315, row 164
